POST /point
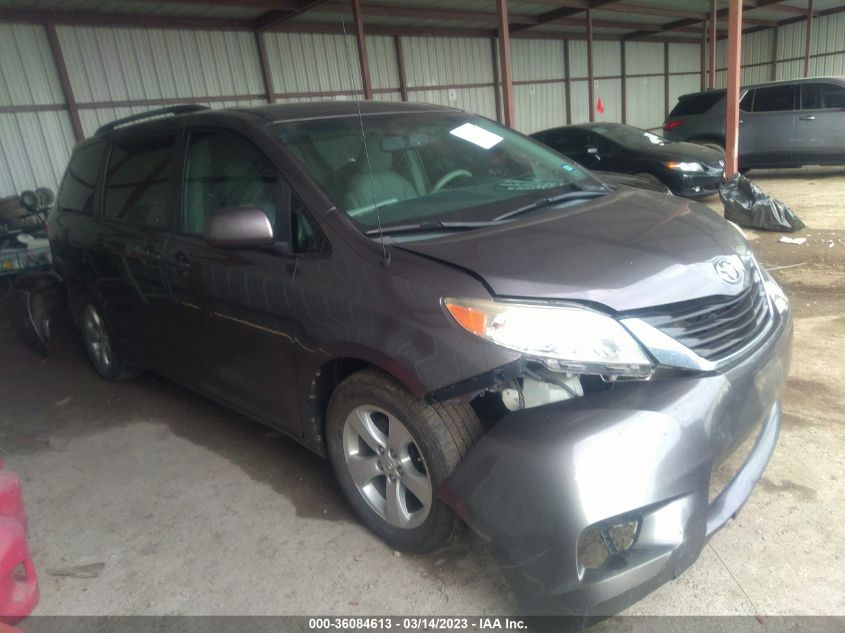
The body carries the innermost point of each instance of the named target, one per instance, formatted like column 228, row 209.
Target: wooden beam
column 497, row 95
column 505, row 61
column 808, row 38
column 591, row 78
column 358, row 18
column 400, row 67
column 732, row 99
column 64, row 80
column 261, row 45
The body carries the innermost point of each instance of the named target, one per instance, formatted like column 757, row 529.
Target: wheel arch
column 329, row 375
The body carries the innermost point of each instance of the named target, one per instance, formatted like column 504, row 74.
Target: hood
column 627, row 250
column 685, row 152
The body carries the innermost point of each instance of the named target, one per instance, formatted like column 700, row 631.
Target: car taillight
column 671, row 125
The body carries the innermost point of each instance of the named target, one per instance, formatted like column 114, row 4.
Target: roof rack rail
column 175, row 109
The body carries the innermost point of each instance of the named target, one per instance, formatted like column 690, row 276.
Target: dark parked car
column 686, row 168
column 646, row 182
column 467, row 325
column 782, row 124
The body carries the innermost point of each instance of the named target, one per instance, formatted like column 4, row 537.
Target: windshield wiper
column 544, row 202
column 430, row 227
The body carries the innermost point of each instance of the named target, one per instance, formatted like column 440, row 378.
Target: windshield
column 629, row 136
column 427, row 167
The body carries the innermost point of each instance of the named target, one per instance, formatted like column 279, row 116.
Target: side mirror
column 238, row 227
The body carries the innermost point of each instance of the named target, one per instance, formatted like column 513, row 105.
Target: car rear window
column 697, row 103
column 80, row 182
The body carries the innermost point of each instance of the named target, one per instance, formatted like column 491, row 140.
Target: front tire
column 391, row 452
column 100, row 346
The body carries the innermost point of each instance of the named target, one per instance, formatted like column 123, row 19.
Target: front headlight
column 564, row 338
column 681, row 166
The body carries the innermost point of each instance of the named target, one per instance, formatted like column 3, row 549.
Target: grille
column 715, row 327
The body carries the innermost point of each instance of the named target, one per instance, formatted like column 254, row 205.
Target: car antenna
column 385, row 255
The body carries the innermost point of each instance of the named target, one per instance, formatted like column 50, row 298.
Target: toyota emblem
column 728, row 271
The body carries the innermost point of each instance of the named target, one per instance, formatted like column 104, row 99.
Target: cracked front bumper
column 644, row 450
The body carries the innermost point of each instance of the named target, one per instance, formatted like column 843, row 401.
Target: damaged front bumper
column 642, row 454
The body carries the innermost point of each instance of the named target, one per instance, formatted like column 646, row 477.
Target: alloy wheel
column 97, row 338
column 387, row 466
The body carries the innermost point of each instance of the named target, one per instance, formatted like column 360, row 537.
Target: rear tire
column 100, row 347
column 391, row 451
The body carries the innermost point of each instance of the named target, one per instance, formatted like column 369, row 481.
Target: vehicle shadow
column 49, row 402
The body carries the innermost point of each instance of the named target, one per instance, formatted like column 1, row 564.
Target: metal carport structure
column 594, row 35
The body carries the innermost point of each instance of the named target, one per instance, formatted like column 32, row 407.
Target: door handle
column 149, row 254
column 181, row 263
column 809, row 117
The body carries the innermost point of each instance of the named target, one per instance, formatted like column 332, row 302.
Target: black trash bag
column 747, row 205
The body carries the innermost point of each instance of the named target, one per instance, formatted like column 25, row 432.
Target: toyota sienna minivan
column 469, row 326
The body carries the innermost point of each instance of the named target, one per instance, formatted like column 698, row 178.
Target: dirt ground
column 183, row 507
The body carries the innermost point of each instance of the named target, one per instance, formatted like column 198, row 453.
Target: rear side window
column 567, row 142
column 80, row 182
column 697, row 104
column 822, row 96
column 139, row 181
column 774, row 99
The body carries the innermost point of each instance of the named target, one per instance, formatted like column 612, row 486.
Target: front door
column 820, row 124
column 766, row 132
column 239, row 340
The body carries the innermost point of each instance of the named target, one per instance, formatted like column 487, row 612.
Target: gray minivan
column 469, row 326
column 782, row 123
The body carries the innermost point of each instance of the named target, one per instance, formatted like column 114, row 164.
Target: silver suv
column 782, row 123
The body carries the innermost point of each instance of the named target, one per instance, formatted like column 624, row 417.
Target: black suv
column 467, row 324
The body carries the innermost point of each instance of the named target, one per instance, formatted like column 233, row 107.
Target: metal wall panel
column 313, row 62
column 442, row 61
column 381, row 55
column 578, row 58
column 684, row 58
column 580, row 102
column 36, row 146
column 607, row 60
column 533, row 60
column 610, row 93
column 477, row 100
column 645, row 101
column 539, row 106
column 643, row 58
column 107, row 64
column 27, row 73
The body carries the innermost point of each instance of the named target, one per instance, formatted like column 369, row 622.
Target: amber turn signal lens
column 473, row 320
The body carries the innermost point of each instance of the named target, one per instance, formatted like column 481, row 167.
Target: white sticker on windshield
column 476, row 135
